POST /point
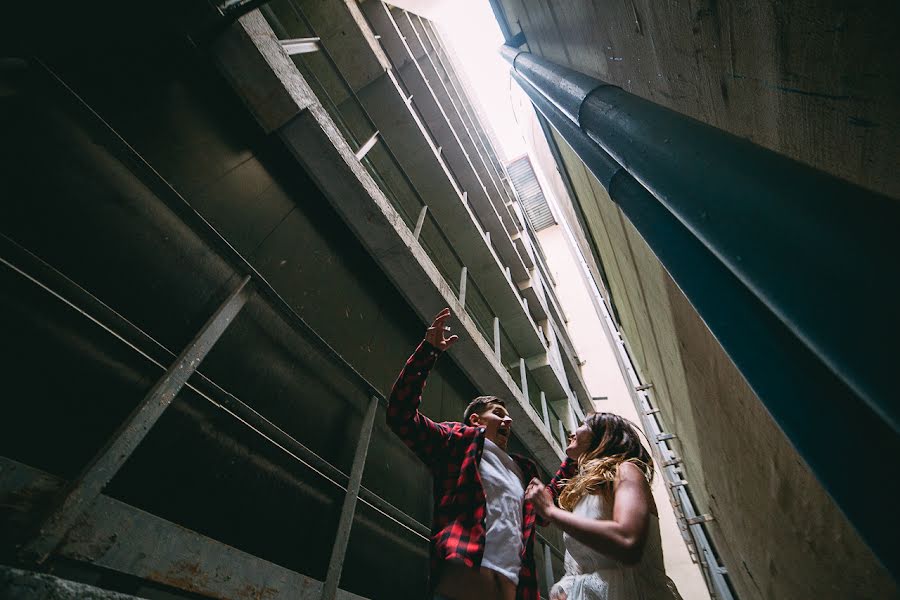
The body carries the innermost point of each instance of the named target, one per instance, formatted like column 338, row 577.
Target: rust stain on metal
column 185, row 575
column 252, row 592
column 190, row 576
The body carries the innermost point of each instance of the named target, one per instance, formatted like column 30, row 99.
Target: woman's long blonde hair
column 615, row 441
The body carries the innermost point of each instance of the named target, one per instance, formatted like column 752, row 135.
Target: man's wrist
column 430, row 346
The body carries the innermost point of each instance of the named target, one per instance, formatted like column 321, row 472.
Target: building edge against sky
column 281, row 198
column 776, row 530
column 274, row 226
column 602, row 373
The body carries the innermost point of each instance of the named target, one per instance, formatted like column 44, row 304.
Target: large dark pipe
column 821, row 253
column 805, row 397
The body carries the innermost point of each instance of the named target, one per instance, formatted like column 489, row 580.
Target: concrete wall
column 603, row 378
column 788, row 77
column 103, row 217
column 71, row 200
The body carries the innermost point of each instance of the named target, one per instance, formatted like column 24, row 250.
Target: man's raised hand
column 436, row 334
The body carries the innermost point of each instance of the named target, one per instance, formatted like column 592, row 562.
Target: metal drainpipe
column 803, row 394
column 620, row 184
column 790, row 233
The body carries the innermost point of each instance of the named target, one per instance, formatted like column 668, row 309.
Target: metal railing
column 79, row 494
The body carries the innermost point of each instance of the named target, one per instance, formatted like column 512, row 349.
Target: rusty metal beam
column 107, row 462
column 121, row 538
column 44, row 276
column 339, row 550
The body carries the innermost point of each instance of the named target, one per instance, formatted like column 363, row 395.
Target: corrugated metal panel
column 531, row 196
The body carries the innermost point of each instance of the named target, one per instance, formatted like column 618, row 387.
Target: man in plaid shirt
column 482, row 535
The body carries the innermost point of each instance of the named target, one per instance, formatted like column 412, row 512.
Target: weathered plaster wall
column 603, row 378
column 816, row 81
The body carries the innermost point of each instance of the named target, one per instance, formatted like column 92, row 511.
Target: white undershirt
column 502, row 482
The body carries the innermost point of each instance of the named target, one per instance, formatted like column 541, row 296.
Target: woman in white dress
column 608, row 518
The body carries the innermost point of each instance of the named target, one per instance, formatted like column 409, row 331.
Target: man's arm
column 422, row 435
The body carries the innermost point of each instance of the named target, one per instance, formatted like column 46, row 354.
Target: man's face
column 496, row 422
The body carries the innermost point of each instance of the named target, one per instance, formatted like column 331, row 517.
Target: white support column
column 420, row 221
column 579, row 414
column 497, row 338
column 545, row 410
column 462, row 286
column 523, row 378
column 300, row 45
column 364, row 149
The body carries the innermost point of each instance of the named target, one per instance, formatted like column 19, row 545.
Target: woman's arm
column 621, row 538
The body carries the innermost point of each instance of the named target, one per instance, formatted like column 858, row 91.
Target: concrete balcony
column 525, row 248
column 480, row 126
column 532, row 290
column 368, row 97
column 413, row 137
column 403, row 131
column 459, row 107
column 548, row 370
column 282, row 101
column 420, row 75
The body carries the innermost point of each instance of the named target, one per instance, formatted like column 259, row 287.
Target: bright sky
column 470, row 27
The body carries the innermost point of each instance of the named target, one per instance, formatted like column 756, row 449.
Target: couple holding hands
column 487, row 502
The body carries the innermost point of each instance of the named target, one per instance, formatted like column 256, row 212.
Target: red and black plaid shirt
column 452, row 451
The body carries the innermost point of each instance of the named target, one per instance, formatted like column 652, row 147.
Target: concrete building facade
column 603, row 376
column 224, row 230
column 782, row 77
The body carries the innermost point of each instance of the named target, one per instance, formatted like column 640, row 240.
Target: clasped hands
column 539, row 496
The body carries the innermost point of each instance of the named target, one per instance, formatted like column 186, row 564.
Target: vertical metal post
column 579, row 413
column 107, row 462
column 497, row 338
column 573, row 412
column 562, row 433
column 420, row 221
column 548, row 566
column 364, row 149
column 336, row 564
column 545, row 410
column 523, row 378
column 462, row 287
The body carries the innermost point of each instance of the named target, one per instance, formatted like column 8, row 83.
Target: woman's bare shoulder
column 628, row 471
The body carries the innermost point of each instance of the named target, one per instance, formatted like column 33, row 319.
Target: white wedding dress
column 593, row 576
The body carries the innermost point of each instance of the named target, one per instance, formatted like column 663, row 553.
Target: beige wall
column 603, row 378
column 775, row 528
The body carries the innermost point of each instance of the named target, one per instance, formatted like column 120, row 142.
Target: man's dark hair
column 481, row 404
